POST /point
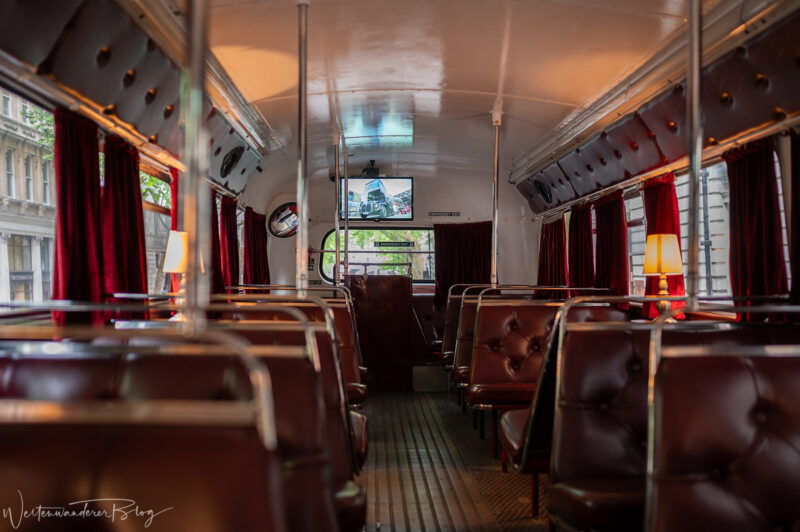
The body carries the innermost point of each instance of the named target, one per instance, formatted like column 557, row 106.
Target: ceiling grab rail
column 301, row 250
column 695, row 144
column 195, row 201
column 346, row 162
column 496, row 120
column 338, row 194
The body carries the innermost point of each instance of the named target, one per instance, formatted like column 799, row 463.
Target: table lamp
column 662, row 257
column 175, row 259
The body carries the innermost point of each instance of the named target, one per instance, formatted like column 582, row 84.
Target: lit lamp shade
column 662, row 255
column 177, row 251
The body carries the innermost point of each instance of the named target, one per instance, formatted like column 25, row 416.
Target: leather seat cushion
column 356, row 393
column 599, row 503
column 360, row 436
column 512, row 432
column 461, row 374
column 502, row 394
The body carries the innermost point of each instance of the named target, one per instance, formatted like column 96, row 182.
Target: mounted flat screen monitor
column 379, row 198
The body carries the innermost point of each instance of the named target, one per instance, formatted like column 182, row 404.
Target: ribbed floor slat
column 415, row 475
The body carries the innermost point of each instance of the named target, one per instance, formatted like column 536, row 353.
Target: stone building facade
column 27, row 205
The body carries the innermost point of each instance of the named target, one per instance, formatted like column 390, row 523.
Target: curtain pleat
column 611, row 250
column 124, row 249
column 78, row 263
column 217, row 281
column 581, row 248
column 756, row 248
column 553, row 260
column 463, row 255
column 228, row 241
column 174, row 192
column 256, row 266
column 663, row 217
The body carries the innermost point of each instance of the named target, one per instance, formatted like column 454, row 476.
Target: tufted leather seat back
column 462, row 361
column 600, row 425
column 726, row 430
column 539, row 437
column 510, row 343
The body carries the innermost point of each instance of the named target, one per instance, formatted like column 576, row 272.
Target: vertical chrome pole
column 495, row 192
column 301, row 278
column 346, row 157
column 338, row 193
column 695, row 148
column 195, row 193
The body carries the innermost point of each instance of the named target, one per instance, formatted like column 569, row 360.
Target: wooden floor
column 427, row 470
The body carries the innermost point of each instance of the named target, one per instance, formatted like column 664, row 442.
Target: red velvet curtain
column 217, row 282
column 612, row 269
column 463, row 255
column 756, row 249
column 581, row 248
column 663, row 217
column 78, row 264
column 553, row 259
column 256, row 266
column 794, row 247
column 174, row 278
column 228, row 241
column 124, row 250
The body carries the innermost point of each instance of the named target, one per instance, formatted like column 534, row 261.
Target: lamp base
column 663, row 306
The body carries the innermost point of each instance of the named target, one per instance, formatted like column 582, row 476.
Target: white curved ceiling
column 412, row 83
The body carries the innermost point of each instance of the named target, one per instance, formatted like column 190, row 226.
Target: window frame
column 329, row 280
column 6, row 104
column 29, row 177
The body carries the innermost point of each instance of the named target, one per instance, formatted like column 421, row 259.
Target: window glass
column 20, row 270
column 384, row 251
column 24, row 112
column 637, row 238
column 28, row 178
column 155, row 190
column 46, row 252
column 156, row 233
column 10, row 173
column 45, row 182
column 6, row 104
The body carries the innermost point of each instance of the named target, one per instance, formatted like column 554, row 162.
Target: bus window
column 384, row 251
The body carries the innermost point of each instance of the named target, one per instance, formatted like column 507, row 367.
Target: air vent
column 230, row 161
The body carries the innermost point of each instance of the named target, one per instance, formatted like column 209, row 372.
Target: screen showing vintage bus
column 378, row 198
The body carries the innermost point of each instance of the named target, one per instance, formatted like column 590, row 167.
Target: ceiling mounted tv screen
column 378, row 198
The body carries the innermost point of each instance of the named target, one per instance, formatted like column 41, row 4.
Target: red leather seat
column 462, row 358
column 606, row 503
column 726, row 432
column 509, row 347
column 600, row 431
column 451, row 315
column 513, row 426
column 169, row 468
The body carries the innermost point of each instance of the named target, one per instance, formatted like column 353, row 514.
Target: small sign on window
column 394, row 244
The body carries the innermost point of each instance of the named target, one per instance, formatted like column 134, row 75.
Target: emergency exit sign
column 394, row 244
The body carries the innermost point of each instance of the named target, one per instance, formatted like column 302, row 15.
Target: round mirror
column 283, row 220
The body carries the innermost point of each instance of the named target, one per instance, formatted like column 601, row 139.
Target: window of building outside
column 26, row 227
column 395, row 251
column 45, row 182
column 10, row 173
column 46, row 252
column 20, row 268
column 28, row 178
